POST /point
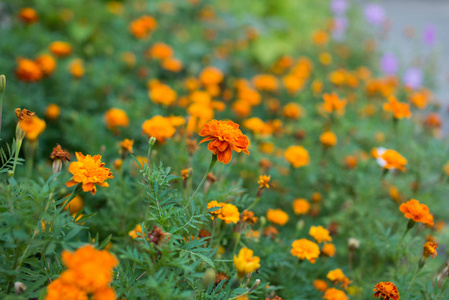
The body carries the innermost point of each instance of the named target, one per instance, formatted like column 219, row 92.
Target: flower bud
column 152, row 141
column 19, row 287
column 2, row 83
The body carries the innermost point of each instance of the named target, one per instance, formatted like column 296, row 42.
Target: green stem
column 254, row 203
column 212, row 163
column 16, row 156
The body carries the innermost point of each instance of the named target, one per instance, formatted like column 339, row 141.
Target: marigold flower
column 23, row 114
column 28, row 70
column 53, row 111
column 305, row 249
column 320, row 37
column 430, row 248
column 28, row 15
column 77, row 68
column 329, row 249
column 185, row 173
column 46, row 63
column 172, row 64
column 245, row 262
column 162, row 94
column 75, row 206
column 320, row 285
column 116, row 117
column 433, row 120
column 386, row 290
column 58, row 289
column 89, row 171
column 211, row 76
column 277, row 216
column 126, row 146
column 257, row 126
column 400, row 110
column 158, row 127
column 328, row 139
column 264, row 181
column 33, row 127
column 292, row 111
column 248, row 217
column 334, row 294
column 213, row 204
column 223, row 137
column 60, row 49
column 227, row 212
column 333, row 103
column 297, row 156
column 265, row 82
column 337, row 275
column 320, row 234
column 350, row 162
column 301, row 206
column 59, row 153
column 389, row 159
column 161, row 51
column 417, row 212
column 142, row 26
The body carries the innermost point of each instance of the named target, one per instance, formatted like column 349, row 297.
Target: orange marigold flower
column 47, row 63
column 116, row 117
column 33, row 127
column 277, row 216
column 172, row 64
column 329, row 249
column 320, row 37
column 28, row 70
column 213, row 204
column 264, row 181
column 430, row 248
column 389, row 159
column 320, row 234
column 386, row 290
column 142, row 26
column 320, row 285
column 126, row 146
column 223, row 137
column 136, row 232
column 292, row 111
column 265, row 82
column 75, row 206
column 162, row 94
column 257, row 126
column 305, row 249
column 53, row 111
column 158, row 127
column 89, row 171
column 77, row 68
column 297, row 156
column 433, row 120
column 400, row 110
column 245, row 262
column 248, row 217
column 350, row 161
column 58, row 289
column 333, row 103
column 161, row 51
column 23, row 114
column 301, row 206
column 328, row 139
column 211, row 76
column 185, row 173
column 227, row 212
column 60, row 49
column 28, row 15
column 417, row 212
column 334, row 294
column 337, row 275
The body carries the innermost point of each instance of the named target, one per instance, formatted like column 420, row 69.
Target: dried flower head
column 24, row 114
column 430, row 248
column 58, row 153
column 248, row 217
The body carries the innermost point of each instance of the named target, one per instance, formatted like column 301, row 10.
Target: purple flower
column 339, row 29
column 413, row 78
column 374, row 14
column 389, row 64
column 339, row 7
column 429, row 35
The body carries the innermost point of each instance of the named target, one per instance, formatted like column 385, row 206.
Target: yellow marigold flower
column 28, row 15
column 161, row 51
column 265, row 82
column 320, row 285
column 229, row 213
column 116, row 117
column 386, row 290
column 211, row 76
column 328, row 139
column 297, row 156
column 162, row 94
column 60, row 49
column 126, row 145
column 336, row 276
column 158, row 127
column 292, row 111
column 325, row 58
column 89, row 171
column 417, row 212
column 77, row 68
column 245, row 262
column 33, row 127
column 224, row 137
column 430, row 248
column 305, row 249
column 329, row 249
column 264, row 181
column 46, row 63
column 301, row 206
column 333, row 103
column 320, row 234
column 277, row 216
column 28, row 70
column 52, row 112
column 317, row 87
column 400, row 110
column 334, row 294
column 75, row 206
column 293, row 83
column 136, row 232
column 185, row 174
